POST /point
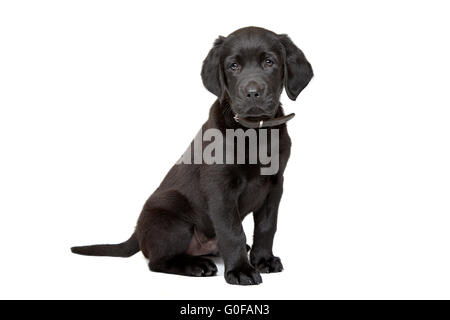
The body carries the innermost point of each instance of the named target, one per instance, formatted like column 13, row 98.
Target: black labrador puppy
column 199, row 207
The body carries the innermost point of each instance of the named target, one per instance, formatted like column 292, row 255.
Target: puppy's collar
column 263, row 123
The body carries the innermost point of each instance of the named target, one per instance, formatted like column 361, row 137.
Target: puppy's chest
column 254, row 193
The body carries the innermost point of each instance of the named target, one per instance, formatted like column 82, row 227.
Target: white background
column 85, row 91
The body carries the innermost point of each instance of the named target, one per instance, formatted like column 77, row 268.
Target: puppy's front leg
column 261, row 255
column 232, row 241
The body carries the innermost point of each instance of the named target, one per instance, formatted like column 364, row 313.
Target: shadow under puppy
column 198, row 208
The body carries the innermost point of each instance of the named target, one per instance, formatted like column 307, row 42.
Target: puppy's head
column 249, row 69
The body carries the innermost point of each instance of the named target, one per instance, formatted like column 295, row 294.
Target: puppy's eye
column 268, row 62
column 234, row 66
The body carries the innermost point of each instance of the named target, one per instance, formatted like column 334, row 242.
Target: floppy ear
column 212, row 73
column 297, row 70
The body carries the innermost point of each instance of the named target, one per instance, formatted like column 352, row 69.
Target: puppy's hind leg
column 165, row 239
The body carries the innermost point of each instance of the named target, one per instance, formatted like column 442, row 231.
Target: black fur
column 209, row 202
column 125, row 249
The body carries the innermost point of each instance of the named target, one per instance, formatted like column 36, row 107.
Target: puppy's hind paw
column 200, row 267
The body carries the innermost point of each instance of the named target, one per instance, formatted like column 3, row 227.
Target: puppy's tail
column 125, row 249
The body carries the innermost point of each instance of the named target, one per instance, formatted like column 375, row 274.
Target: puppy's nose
column 253, row 90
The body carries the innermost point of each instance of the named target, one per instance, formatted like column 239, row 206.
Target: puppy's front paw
column 243, row 276
column 267, row 264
